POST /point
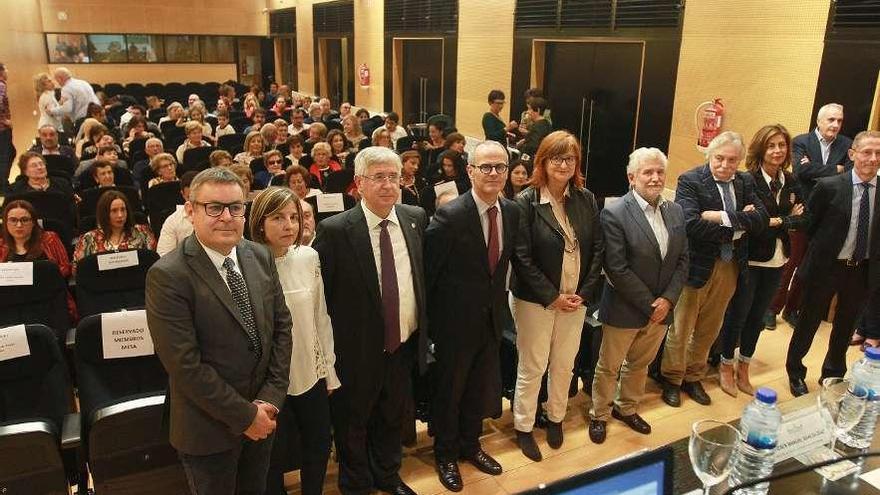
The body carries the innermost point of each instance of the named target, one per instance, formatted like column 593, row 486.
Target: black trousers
column 239, row 471
column 468, row 383
column 367, row 421
column 850, row 283
column 302, row 439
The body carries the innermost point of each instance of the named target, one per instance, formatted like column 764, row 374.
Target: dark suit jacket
column 807, row 145
column 537, row 260
column 201, row 340
column 464, row 299
column 762, row 245
column 697, row 192
column 351, row 287
column 831, row 213
column 636, row 273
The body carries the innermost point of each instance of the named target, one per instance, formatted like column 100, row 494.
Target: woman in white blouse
column 46, row 101
column 304, row 421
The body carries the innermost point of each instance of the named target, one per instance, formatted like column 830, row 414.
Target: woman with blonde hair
column 351, row 126
column 164, row 168
column 46, row 101
column 253, row 148
column 84, row 135
column 303, row 425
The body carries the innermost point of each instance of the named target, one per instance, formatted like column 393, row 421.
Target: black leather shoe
column 484, row 462
column 671, row 394
column 770, row 320
column 695, row 391
column 449, row 475
column 597, row 430
column 791, row 317
column 634, row 421
column 399, row 489
column 554, row 434
column 526, row 442
column 797, row 386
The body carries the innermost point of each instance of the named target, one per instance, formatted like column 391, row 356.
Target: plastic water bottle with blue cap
column 866, row 373
column 759, row 428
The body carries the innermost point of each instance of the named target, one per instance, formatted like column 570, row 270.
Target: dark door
column 422, row 80
column 334, row 64
column 267, row 60
column 594, row 92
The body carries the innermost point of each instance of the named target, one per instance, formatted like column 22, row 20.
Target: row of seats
column 169, row 92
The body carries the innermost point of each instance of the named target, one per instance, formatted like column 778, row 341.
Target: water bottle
column 866, row 373
column 753, row 457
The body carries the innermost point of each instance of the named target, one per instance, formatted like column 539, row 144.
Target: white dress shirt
column 655, row 220
column 824, row 145
column 725, row 218
column 176, row 228
column 779, row 258
column 76, row 94
column 402, row 265
column 313, row 357
column 217, row 260
column 849, row 245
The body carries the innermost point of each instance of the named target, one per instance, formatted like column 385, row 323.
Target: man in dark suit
column 48, row 145
column 467, row 256
column 371, row 261
column 720, row 210
column 221, row 328
column 843, row 259
column 646, row 259
column 814, row 155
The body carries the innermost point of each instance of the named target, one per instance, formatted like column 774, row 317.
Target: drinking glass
column 711, row 446
column 842, row 404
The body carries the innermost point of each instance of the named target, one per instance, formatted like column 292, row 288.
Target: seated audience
column 317, row 134
column 411, row 182
column 177, row 226
column 297, row 122
column 362, row 114
column 116, row 230
column 137, row 111
column 107, row 153
column 194, row 132
column 270, row 135
column 175, row 114
column 273, row 160
column 220, row 158
column 351, row 126
column 36, row 176
column 395, row 130
column 308, row 223
column 323, row 165
column 103, row 173
column 152, row 147
column 137, row 129
column 517, row 180
column 259, row 118
column 298, row 180
column 281, row 136
column 295, row 144
column 47, row 144
column 281, row 106
column 340, row 148
column 344, row 110
column 327, row 113
column 381, row 137
column 247, row 177
column 197, row 114
column 253, row 148
column 224, row 128
column 83, row 137
column 314, row 110
column 164, row 168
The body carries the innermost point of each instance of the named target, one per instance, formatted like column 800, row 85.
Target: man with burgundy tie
column 371, row 261
column 843, row 258
column 467, row 257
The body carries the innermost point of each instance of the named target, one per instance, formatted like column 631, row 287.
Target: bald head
column 489, row 147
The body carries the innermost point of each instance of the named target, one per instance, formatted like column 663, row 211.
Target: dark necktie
column 861, row 249
column 730, row 208
column 494, row 251
column 390, row 295
column 240, row 296
column 775, row 187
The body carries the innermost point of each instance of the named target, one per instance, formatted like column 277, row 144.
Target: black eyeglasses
column 487, row 168
column 236, row 209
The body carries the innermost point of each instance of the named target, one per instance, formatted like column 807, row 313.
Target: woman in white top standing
column 304, row 421
column 46, row 101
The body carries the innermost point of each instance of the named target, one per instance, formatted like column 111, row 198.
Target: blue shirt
column 849, row 244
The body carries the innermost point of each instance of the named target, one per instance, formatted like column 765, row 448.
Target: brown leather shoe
column 726, row 379
column 597, row 430
column 634, row 421
column 742, row 378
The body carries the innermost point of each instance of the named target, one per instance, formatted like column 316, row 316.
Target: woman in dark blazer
column 768, row 160
column 558, row 260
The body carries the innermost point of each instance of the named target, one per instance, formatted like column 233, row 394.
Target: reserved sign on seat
column 112, row 261
column 16, row 274
column 125, row 335
column 13, row 343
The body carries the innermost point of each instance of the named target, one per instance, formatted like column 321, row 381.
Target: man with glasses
column 468, row 246
column 720, row 209
column 371, row 261
column 843, row 258
column 221, row 328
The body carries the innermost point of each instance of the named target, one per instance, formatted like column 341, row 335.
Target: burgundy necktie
column 494, row 252
column 390, row 296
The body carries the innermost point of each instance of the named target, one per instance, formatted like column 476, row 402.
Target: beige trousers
column 629, row 351
column 699, row 314
column 544, row 337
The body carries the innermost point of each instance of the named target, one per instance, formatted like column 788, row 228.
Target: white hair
column 64, row 72
column 828, row 107
column 485, row 146
column 726, row 138
column 375, row 155
column 642, row 156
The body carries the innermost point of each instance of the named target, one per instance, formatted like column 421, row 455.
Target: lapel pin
column 413, row 225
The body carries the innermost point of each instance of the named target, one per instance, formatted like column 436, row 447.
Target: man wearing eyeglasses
column 221, row 328
column 374, row 284
column 468, row 246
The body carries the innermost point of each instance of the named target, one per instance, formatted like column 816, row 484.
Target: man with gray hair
column 221, row 328
column 76, row 95
column 720, row 210
column 374, row 284
column 646, row 258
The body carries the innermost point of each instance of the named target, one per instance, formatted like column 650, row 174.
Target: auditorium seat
column 348, row 203
column 89, row 204
column 99, row 291
column 195, row 159
column 232, row 143
column 43, row 302
column 160, row 201
column 60, row 166
column 113, row 89
column 371, row 124
column 34, row 419
column 121, row 176
column 172, row 137
column 135, row 147
column 51, row 204
column 240, row 123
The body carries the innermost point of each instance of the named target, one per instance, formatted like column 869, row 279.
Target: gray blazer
column 200, row 338
column 635, row 272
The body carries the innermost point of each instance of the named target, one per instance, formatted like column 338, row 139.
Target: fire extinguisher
column 708, row 120
column 364, row 76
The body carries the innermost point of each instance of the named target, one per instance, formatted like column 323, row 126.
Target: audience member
column 220, row 158
column 116, row 229
column 197, row 114
column 297, row 122
column 281, row 134
column 194, row 133
column 298, row 180
column 103, row 173
column 152, row 147
column 76, row 95
column 494, row 126
column 46, row 102
column 253, row 148
column 47, row 144
column 164, row 168
column 224, row 128
column 175, row 114
column 340, row 147
column 243, row 172
column 308, row 223
column 295, row 144
column 273, row 160
column 381, row 137
column 351, row 126
column 36, row 176
column 323, row 164
column 270, row 135
column 517, row 179
column 395, row 130
column 178, row 225
column 411, row 182
column 259, row 119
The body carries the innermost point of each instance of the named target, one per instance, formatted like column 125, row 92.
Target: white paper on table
column 872, row 477
column 13, row 343
column 330, row 203
column 444, row 187
column 801, row 431
column 16, row 274
column 112, row 261
column 832, row 472
column 125, row 334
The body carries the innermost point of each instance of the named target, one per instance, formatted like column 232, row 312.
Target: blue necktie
column 727, row 247
column 860, row 252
